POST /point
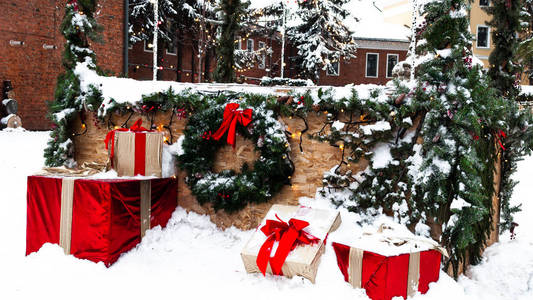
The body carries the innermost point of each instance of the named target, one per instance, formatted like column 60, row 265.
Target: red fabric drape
column 385, row 277
column 429, row 269
column 140, row 154
column 232, row 116
column 105, row 216
column 43, row 211
column 289, row 235
column 343, row 259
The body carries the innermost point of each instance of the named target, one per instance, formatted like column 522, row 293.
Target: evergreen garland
column 507, row 17
column 78, row 27
column 437, row 177
column 505, row 23
column 228, row 190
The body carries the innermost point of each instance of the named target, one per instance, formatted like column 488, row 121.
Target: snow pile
column 130, row 91
column 526, row 90
column 192, row 258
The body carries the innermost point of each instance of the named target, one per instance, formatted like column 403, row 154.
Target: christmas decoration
column 390, row 263
column 507, row 19
column 135, row 151
column 78, row 27
column 96, row 219
column 505, row 23
column 385, row 277
column 301, row 241
column 228, row 190
column 232, row 116
column 431, row 174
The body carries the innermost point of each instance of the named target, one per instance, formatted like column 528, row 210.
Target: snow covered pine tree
column 78, row 27
column 321, row 38
column 437, row 178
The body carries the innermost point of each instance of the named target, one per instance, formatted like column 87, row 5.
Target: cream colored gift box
column 123, row 160
column 303, row 260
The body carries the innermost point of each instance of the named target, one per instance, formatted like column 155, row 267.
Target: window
column 148, row 46
column 334, row 69
column 171, row 48
column 250, row 45
column 262, row 61
column 372, row 64
column 392, row 60
column 484, row 2
column 238, row 43
column 483, row 38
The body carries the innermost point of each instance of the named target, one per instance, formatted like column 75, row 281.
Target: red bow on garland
column 500, row 136
column 74, row 3
column 289, row 235
column 136, row 127
column 229, row 123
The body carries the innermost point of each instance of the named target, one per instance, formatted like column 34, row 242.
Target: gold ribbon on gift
column 67, row 197
column 86, row 169
column 356, row 258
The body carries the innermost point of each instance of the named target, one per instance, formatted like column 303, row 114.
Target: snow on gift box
column 96, row 219
column 398, row 265
column 290, row 241
column 135, row 151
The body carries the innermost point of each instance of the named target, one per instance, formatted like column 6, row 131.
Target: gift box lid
column 321, row 222
column 390, row 239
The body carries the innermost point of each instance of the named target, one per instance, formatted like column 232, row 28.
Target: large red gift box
column 384, row 277
column 96, row 219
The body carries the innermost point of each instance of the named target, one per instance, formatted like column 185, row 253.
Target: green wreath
column 229, row 190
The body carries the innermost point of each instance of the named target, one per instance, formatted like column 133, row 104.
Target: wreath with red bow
column 207, row 131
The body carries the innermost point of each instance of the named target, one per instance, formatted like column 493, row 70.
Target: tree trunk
column 207, row 65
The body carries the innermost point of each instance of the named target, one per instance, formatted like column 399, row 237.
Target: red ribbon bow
column 289, row 235
column 232, row 116
column 136, row 127
column 501, row 135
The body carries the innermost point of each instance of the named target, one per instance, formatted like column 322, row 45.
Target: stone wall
column 310, row 164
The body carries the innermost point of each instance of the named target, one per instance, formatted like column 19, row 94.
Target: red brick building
column 31, row 46
column 373, row 64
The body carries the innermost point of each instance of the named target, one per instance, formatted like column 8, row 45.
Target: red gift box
column 384, row 277
column 96, row 219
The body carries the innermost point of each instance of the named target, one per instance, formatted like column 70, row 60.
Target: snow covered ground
column 191, row 258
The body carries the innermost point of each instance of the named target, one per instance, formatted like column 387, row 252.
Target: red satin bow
column 500, row 136
column 229, row 123
column 136, row 127
column 289, row 235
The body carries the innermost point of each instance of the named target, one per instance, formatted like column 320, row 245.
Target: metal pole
column 154, row 45
column 283, row 41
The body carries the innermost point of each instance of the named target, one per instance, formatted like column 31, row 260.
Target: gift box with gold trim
column 96, row 219
column 290, row 241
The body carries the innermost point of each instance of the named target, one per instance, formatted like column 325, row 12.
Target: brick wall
column 354, row 70
column 32, row 69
